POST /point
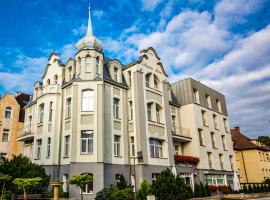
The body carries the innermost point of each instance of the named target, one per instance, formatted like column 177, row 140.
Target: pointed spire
column 89, row 28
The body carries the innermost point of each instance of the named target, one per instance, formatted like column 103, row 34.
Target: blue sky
column 224, row 44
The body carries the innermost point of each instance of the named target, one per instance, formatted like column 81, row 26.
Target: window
column 50, row 111
column 132, row 146
column 149, row 111
column 38, row 148
column 204, row 118
column 55, row 79
column 225, row 124
column 173, row 123
column 88, row 188
column 208, row 101
column 8, row 112
column 48, row 82
column 231, row 162
column 210, row 163
column 220, row 179
column 156, row 148
column 68, row 108
column 219, row 106
column 156, row 83
column 97, row 65
column 116, row 145
column 129, row 78
column 115, row 74
column 221, row 161
column 130, row 111
column 87, row 100
column 147, row 80
column 176, row 150
column 5, row 135
column 41, row 113
column 70, row 73
column 215, row 121
column 196, row 96
column 154, row 176
column 115, row 108
column 158, row 113
column 65, row 186
column 87, row 142
column 30, row 121
column 201, row 137
column 49, row 147
column 87, row 64
column 66, row 146
column 223, row 142
column 213, row 139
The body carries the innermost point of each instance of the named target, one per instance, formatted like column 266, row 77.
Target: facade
column 252, row 158
column 11, row 123
column 95, row 115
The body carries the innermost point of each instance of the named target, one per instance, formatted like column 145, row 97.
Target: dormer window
column 70, row 73
column 48, row 82
column 87, row 64
column 115, row 74
column 97, row 65
column 147, row 80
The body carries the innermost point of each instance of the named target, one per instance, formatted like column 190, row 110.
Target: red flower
column 186, row 159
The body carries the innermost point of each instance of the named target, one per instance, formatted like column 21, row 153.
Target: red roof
column 242, row 142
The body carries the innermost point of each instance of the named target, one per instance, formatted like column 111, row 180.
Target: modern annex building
column 95, row 115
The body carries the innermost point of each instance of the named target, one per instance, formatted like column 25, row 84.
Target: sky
column 225, row 44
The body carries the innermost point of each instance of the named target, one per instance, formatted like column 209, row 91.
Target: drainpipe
column 244, row 165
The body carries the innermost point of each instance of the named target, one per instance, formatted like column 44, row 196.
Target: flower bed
column 186, row 159
column 222, row 188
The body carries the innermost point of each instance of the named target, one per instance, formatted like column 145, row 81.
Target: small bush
column 144, row 190
column 250, row 189
column 245, row 189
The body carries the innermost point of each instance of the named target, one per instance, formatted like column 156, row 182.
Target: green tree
column 144, row 190
column 3, row 179
column 197, row 190
column 265, row 140
column 207, row 189
column 121, row 183
column 81, row 180
column 22, row 167
column 25, row 183
column 203, row 190
column 123, row 194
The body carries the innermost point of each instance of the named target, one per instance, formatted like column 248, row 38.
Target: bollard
column 56, row 187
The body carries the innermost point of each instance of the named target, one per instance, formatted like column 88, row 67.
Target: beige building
column 95, row 115
column 11, row 123
column 252, row 158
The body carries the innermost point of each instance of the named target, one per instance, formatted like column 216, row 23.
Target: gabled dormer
column 115, row 70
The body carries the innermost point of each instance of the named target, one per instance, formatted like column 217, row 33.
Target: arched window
column 8, row 112
column 55, row 79
column 116, row 108
column 87, row 64
column 115, row 74
column 147, row 80
column 97, row 65
column 156, row 83
column 87, row 100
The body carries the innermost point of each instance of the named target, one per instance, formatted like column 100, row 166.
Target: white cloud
column 80, row 30
column 98, row 13
column 150, row 5
column 67, row 51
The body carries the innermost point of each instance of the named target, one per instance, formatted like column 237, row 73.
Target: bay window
column 87, row 142
column 87, row 100
column 116, row 108
column 155, row 148
column 87, row 64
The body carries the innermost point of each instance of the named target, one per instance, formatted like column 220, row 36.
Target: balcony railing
column 179, row 131
column 27, row 134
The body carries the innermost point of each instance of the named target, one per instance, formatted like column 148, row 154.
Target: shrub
column 197, row 190
column 250, row 189
column 245, row 190
column 203, row 190
column 121, row 183
column 208, row 192
column 144, row 190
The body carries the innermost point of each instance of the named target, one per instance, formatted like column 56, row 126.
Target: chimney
column 18, row 94
column 236, row 129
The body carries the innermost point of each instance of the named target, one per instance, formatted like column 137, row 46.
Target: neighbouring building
column 252, row 158
column 95, row 115
column 11, row 123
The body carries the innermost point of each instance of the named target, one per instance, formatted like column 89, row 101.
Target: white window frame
column 8, row 111
column 89, row 142
column 38, row 148
column 66, row 145
column 5, row 135
column 155, row 148
column 117, row 145
column 41, row 113
column 132, row 146
column 50, row 111
column 87, row 64
column 115, row 74
column 116, row 108
column 88, row 100
column 97, row 66
column 68, row 107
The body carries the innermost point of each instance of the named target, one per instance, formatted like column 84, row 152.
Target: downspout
column 60, row 136
column 244, row 165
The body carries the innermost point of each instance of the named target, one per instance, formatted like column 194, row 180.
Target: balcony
column 27, row 134
column 182, row 134
column 190, row 160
